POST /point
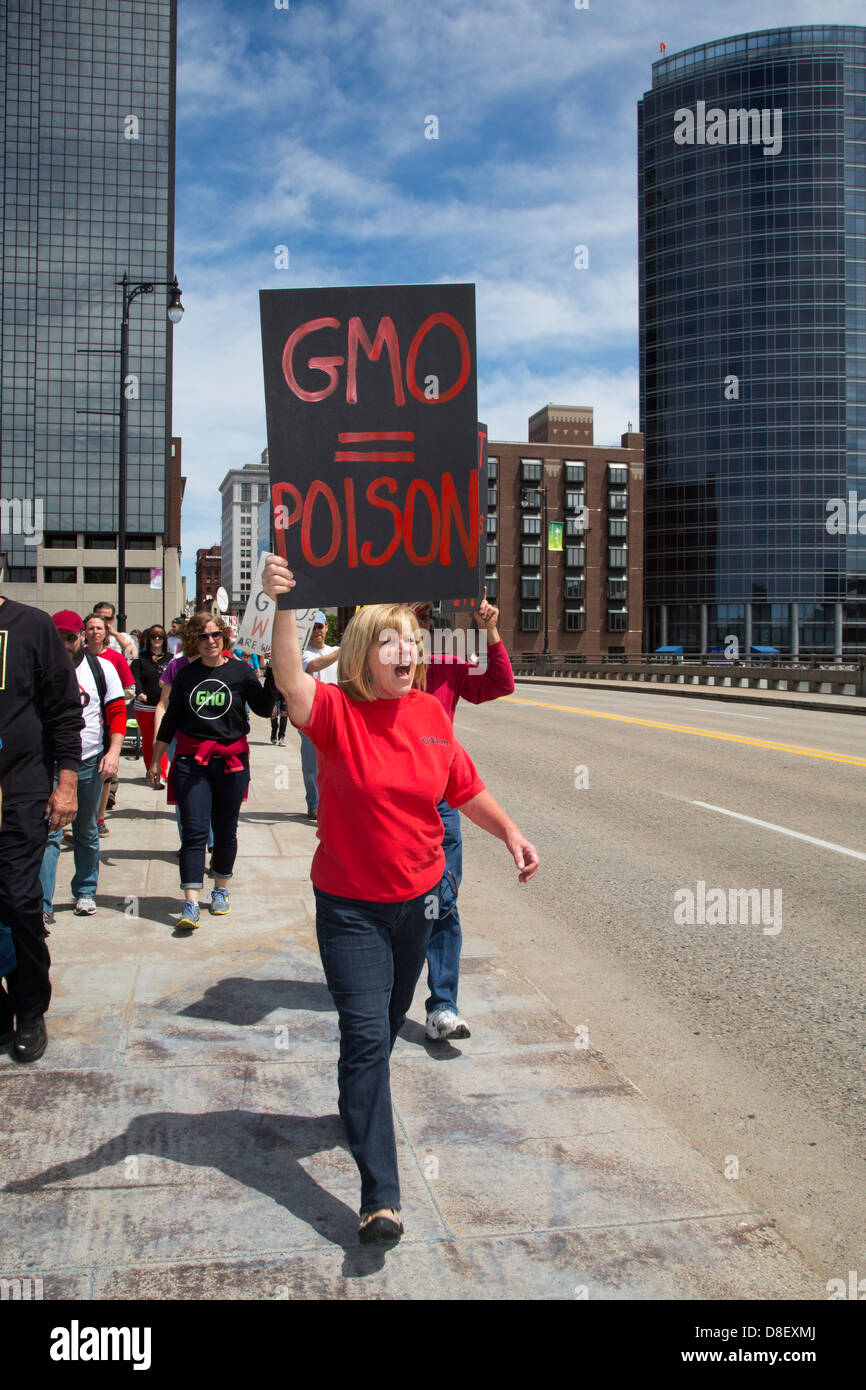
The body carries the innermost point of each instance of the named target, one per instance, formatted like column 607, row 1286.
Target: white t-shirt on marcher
column 328, row 676
column 91, row 734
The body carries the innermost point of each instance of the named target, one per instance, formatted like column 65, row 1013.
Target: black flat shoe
column 30, row 1041
column 381, row 1231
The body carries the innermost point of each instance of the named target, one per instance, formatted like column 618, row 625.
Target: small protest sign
column 371, row 407
column 254, row 634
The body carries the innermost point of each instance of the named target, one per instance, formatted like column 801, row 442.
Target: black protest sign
column 473, row 596
column 371, row 402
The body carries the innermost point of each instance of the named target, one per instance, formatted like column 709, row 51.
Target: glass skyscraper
column 752, row 243
column 87, row 112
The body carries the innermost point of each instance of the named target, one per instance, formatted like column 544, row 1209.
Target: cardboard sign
column 372, row 441
column 255, row 632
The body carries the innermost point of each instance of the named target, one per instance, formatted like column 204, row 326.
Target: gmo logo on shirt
column 210, row 698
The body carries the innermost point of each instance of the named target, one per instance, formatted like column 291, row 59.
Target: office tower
column 88, row 194
column 242, row 491
column 752, row 242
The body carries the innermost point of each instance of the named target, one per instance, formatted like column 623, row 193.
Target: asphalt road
column 749, row 1034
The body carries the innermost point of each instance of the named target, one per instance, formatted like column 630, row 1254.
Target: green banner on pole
column 554, row 535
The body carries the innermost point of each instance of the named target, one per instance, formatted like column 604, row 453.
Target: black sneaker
column 30, row 1041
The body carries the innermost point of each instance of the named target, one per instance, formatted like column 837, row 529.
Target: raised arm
column 298, row 688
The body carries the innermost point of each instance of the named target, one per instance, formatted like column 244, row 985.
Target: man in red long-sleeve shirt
column 450, row 680
column 104, row 711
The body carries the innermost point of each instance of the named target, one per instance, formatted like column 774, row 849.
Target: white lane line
column 782, row 830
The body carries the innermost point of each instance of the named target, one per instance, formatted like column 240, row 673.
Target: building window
column 575, row 557
column 56, row 574
column 575, row 588
column 575, row 526
column 530, row 620
column 490, row 555
column 574, row 501
column 492, row 497
column 530, row 499
column 492, row 587
column 617, row 529
column 530, row 470
column 137, row 576
column 530, row 587
column 530, row 526
column 575, row 473
column 617, row 501
column 60, row 540
column 246, row 494
column 530, row 556
column 492, row 470
column 101, row 575
column 575, row 619
column 141, row 542
column 100, row 542
column 21, row 574
column 617, row 589
column 617, row 557
column 491, row 526
column 617, row 620
column 617, row 476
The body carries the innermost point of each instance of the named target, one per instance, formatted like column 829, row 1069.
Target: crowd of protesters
column 385, row 780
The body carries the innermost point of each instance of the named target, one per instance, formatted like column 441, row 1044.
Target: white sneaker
column 445, row 1023
column 85, row 907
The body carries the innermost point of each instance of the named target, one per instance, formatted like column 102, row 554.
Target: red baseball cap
column 67, row 621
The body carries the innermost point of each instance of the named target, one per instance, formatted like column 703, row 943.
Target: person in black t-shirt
column 40, row 726
column 210, row 774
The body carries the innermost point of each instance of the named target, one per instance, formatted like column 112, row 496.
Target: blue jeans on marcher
column 85, row 838
column 446, row 938
column 372, row 954
column 169, row 753
column 310, row 769
column 207, row 794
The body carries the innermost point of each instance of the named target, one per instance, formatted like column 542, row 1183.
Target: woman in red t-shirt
column 387, row 755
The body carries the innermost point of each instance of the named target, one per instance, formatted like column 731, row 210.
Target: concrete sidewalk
column 180, row 1138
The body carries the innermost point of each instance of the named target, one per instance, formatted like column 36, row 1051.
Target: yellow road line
column 702, row 733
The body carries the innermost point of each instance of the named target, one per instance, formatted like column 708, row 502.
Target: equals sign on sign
column 374, row 455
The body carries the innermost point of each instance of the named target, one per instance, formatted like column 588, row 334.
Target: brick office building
column 595, row 583
column 207, row 575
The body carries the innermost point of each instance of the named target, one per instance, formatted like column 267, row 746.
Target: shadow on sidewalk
column 440, row 1050
column 244, row 1001
column 260, row 1151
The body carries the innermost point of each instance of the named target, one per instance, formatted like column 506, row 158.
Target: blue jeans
column 85, row 838
column 207, row 794
column 169, row 753
column 372, row 954
column 310, row 769
column 446, row 938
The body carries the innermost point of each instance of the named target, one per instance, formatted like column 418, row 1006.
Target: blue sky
column 305, row 128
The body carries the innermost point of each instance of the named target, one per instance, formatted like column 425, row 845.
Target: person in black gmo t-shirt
column 210, row 774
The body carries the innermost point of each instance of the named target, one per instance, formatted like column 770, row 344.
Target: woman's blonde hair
column 362, row 636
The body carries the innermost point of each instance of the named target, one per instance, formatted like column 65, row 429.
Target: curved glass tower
column 752, row 196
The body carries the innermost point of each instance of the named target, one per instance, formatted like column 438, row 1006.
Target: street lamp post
column 131, row 290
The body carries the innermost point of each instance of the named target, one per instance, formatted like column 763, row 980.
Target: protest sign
column 470, row 602
column 256, row 626
column 371, row 407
